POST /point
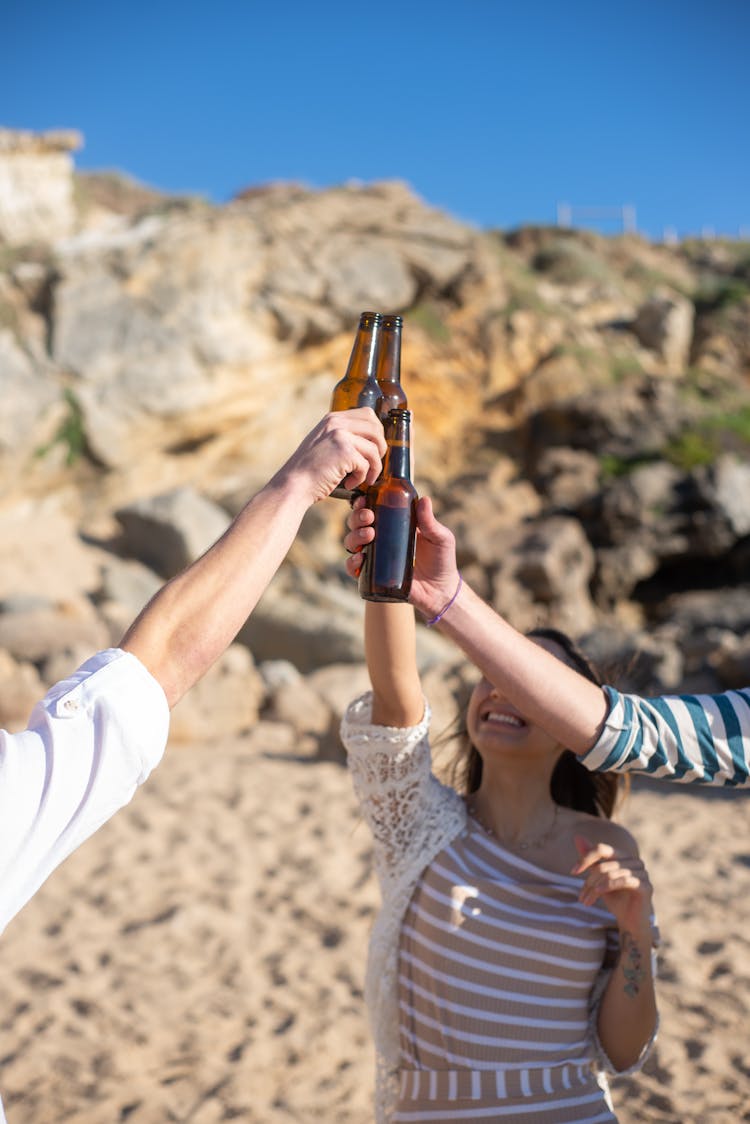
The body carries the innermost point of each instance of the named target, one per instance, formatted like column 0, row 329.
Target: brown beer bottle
column 359, row 386
column 388, row 564
column 389, row 367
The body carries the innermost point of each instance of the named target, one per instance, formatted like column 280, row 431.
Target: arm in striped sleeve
column 703, row 739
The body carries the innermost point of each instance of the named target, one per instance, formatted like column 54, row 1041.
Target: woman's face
column 496, row 727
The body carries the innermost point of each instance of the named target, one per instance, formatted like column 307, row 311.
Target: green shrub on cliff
column 70, row 433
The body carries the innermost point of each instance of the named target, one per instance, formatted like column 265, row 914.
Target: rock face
column 176, row 320
column 582, row 421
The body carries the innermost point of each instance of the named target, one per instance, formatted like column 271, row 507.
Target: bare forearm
column 196, row 615
column 627, row 1014
column 544, row 689
column 190, row 622
column 390, row 649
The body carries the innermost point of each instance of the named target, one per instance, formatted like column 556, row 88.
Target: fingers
column 361, row 531
column 355, row 540
column 367, row 464
column 359, row 515
column 590, row 853
column 345, row 445
column 354, row 564
column 365, row 421
column 368, row 444
column 430, row 527
column 609, row 871
column 610, row 882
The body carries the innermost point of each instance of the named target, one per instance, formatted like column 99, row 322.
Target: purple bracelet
column 441, row 614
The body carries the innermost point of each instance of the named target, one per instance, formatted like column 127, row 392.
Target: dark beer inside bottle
column 386, row 570
column 388, row 563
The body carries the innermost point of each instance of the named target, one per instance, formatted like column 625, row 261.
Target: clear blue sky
column 494, row 111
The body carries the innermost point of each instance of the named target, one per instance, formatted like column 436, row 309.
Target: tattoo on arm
column 631, row 959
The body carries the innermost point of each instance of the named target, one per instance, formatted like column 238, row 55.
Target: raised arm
column 543, row 688
column 387, row 741
column 196, row 615
column 390, row 641
column 390, row 650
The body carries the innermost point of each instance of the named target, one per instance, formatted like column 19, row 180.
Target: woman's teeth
column 504, row 719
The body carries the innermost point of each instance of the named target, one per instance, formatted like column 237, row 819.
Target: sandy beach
column 201, row 958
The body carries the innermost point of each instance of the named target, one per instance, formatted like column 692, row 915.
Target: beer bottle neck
column 398, row 462
column 398, row 457
column 364, row 356
column 360, row 361
column 390, row 365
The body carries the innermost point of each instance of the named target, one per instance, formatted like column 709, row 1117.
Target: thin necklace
column 523, row 844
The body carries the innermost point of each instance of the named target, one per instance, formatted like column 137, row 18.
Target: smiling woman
column 571, row 784
column 510, row 965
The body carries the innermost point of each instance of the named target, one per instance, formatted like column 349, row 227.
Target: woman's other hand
column 618, row 879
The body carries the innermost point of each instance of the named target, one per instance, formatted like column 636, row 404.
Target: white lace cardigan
column 412, row 817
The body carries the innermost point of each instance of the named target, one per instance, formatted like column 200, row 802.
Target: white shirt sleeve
column 90, row 742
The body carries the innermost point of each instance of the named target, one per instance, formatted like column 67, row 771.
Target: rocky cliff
column 581, row 407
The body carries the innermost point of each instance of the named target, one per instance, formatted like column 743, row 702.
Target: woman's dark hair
column 571, row 784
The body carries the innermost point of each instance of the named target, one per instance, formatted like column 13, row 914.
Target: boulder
column 169, row 531
column 544, row 578
column 567, row 478
column 225, row 702
column 620, row 568
column 724, row 488
column 291, row 699
column 70, row 628
column 664, row 323
column 127, row 584
column 554, row 559
column 361, row 272
column 646, row 497
column 307, row 621
column 490, row 507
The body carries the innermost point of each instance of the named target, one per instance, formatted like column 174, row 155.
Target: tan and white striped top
column 497, row 961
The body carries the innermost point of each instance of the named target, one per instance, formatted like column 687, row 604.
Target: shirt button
column 71, row 705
